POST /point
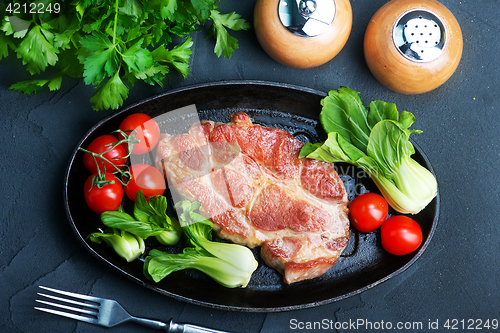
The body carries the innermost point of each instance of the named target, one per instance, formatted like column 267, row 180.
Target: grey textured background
column 456, row 278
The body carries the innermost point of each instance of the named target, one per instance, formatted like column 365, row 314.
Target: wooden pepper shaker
column 413, row 46
column 302, row 33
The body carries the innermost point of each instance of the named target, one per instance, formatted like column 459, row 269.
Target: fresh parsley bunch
column 112, row 44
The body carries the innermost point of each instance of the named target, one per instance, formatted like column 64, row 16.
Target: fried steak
column 257, row 192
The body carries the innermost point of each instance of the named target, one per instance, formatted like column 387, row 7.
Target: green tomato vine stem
column 124, row 172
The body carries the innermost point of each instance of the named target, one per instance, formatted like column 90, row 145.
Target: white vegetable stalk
column 126, row 245
column 414, row 187
column 416, row 182
column 239, row 256
column 223, row 272
column 169, row 237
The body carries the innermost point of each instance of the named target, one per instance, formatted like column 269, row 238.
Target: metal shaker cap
column 306, row 18
column 419, row 35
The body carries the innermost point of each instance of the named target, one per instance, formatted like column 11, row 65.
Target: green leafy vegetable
column 377, row 140
column 112, row 44
column 231, row 265
column 126, row 245
column 150, row 219
column 226, row 44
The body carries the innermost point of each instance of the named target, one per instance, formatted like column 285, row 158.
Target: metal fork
column 109, row 313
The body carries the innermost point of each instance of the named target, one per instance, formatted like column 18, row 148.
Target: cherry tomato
column 107, row 198
column 401, row 235
column 146, row 178
column 368, row 211
column 99, row 145
column 148, row 132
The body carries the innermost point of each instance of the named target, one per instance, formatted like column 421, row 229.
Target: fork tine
column 67, row 293
column 92, row 313
column 89, row 305
column 69, row 315
column 95, row 305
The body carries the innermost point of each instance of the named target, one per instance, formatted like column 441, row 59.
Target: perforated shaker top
column 419, row 35
column 306, row 18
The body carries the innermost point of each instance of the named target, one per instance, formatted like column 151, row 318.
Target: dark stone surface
column 457, row 277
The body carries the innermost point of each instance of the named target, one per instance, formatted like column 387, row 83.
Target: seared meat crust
column 257, row 192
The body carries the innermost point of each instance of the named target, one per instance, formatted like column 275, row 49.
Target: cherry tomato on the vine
column 106, row 198
column 146, row 178
column 148, row 132
column 400, row 235
column 116, row 156
column 368, row 211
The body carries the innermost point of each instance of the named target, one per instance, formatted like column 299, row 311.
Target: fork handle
column 173, row 327
column 189, row 328
column 151, row 323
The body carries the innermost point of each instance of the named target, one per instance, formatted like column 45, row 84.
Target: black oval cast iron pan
column 363, row 265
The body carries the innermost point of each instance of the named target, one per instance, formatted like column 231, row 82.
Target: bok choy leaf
column 150, row 219
column 125, row 244
column 230, row 265
column 377, row 140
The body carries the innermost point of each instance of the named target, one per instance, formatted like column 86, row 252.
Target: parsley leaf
column 110, row 94
column 178, row 56
column 226, row 44
column 168, row 8
column 112, row 44
column 36, row 51
column 137, row 58
column 5, row 44
column 29, row 86
column 202, row 8
column 55, row 83
column 99, row 57
column 13, row 25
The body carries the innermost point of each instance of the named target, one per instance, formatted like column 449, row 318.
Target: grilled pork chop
column 257, row 192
